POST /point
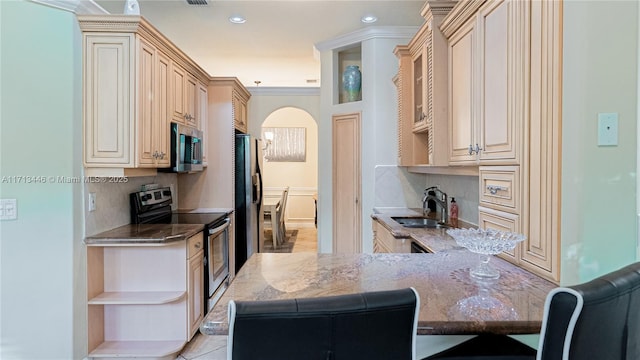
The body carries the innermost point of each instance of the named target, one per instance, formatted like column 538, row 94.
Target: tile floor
column 209, row 347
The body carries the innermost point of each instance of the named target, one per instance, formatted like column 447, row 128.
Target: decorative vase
column 131, row 7
column 351, row 82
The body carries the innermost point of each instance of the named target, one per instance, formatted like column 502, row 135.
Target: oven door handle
column 221, row 228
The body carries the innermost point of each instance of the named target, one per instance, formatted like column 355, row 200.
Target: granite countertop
column 451, row 302
column 434, row 240
column 144, row 234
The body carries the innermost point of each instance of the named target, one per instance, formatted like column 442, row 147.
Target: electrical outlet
column 92, row 201
column 8, row 209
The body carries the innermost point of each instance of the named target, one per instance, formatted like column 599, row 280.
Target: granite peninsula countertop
column 451, row 302
column 144, row 234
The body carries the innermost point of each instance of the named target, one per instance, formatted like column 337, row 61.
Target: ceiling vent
column 197, row 2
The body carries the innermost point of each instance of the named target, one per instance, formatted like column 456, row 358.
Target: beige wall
column 599, row 226
column 300, row 177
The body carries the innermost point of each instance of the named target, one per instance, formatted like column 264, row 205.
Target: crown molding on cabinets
column 385, row 32
column 79, row 7
column 284, row 91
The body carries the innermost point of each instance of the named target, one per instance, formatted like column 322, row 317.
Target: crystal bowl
column 486, row 242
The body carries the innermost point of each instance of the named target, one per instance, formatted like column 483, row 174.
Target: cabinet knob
column 478, row 148
column 471, row 149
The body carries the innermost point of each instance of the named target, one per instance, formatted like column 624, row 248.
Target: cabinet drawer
column 194, row 244
column 500, row 187
column 501, row 221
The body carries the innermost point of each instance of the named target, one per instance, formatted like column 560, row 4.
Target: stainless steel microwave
column 186, row 148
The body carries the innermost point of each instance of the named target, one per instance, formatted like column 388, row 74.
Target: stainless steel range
column 154, row 207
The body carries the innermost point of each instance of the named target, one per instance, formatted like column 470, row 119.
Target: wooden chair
column 378, row 325
column 280, row 215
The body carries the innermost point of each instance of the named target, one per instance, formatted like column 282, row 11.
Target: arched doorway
column 299, row 176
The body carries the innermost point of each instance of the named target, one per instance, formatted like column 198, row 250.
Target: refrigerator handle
column 257, row 188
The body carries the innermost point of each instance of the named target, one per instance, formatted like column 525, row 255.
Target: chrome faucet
column 440, row 199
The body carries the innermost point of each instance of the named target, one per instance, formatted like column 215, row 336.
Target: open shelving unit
column 137, row 300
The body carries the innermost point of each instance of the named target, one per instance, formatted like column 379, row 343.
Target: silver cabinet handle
column 471, row 149
column 493, row 189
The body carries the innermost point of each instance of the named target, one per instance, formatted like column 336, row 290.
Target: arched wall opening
column 300, row 176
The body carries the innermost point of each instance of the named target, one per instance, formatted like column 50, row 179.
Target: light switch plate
column 607, row 129
column 8, row 209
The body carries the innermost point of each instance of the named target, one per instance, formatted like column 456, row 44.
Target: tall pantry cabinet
column 505, row 116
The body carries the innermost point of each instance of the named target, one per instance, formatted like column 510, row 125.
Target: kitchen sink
column 419, row 222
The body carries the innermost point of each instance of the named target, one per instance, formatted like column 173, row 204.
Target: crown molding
column 78, row 7
column 284, row 91
column 373, row 32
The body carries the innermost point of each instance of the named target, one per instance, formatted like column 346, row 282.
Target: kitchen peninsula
column 451, row 302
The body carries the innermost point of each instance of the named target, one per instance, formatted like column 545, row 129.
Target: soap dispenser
column 453, row 209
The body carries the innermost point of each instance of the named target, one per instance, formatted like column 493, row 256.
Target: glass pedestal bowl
column 486, row 242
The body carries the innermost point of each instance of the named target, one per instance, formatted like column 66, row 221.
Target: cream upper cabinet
column 108, row 99
column 240, row 115
column 151, row 107
column 135, row 82
column 422, row 91
column 184, row 89
column 483, row 99
column 202, row 114
column 178, row 94
column 191, row 96
column 461, row 114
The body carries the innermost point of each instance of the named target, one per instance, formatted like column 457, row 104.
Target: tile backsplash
column 396, row 187
column 112, row 201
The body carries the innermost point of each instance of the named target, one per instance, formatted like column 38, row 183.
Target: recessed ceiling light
column 237, row 19
column 368, row 19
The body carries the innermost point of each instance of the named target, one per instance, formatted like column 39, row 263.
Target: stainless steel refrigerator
column 248, row 198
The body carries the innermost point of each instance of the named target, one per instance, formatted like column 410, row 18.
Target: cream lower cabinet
column 385, row 242
column 143, row 301
column 483, row 82
column 195, row 281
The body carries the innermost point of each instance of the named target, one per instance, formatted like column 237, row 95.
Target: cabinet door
column 497, row 136
column 239, row 112
column 163, row 118
column 178, row 106
column 541, row 253
column 191, row 94
column 419, row 112
column 109, row 99
column 203, row 117
column 196, row 297
column 461, row 124
column 501, row 221
column 146, row 117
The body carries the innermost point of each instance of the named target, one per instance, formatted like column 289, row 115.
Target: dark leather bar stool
column 597, row 320
column 373, row 325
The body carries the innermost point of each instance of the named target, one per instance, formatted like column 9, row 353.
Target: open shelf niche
column 348, row 56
